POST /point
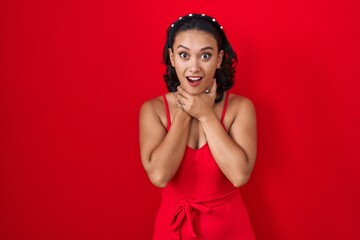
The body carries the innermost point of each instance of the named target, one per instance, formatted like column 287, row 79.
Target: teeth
column 194, row 78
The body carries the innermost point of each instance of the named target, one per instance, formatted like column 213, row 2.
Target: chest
column 197, row 137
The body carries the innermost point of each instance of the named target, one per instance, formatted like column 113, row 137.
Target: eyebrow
column 204, row 48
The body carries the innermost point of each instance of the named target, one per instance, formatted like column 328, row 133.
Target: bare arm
column 162, row 151
column 235, row 153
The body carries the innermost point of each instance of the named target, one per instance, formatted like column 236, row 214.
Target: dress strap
column 167, row 113
column 225, row 107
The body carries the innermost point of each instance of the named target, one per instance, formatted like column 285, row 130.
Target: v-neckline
column 197, row 149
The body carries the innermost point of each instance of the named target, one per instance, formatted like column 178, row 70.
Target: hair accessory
column 198, row 15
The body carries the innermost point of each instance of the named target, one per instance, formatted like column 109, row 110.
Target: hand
column 197, row 105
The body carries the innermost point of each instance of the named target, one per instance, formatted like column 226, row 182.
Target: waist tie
column 185, row 207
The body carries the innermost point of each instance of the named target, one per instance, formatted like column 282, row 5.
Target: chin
column 193, row 90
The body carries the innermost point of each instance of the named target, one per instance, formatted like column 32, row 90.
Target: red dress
column 200, row 202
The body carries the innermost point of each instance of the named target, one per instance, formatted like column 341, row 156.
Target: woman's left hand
column 197, row 106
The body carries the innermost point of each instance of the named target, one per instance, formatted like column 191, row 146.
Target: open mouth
column 194, row 81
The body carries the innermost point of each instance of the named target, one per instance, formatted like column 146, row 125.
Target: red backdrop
column 73, row 75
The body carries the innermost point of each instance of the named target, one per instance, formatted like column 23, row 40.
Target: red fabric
column 200, row 202
column 167, row 113
column 225, row 107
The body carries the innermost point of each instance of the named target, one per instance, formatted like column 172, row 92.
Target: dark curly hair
column 224, row 75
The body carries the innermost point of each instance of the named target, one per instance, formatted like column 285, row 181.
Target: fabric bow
column 184, row 211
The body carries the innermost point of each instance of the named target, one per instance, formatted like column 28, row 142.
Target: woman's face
column 195, row 57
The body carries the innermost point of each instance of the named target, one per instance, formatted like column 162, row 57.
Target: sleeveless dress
column 199, row 202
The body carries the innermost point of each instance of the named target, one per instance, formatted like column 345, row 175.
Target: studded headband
column 210, row 19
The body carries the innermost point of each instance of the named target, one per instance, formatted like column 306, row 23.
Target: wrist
column 207, row 118
column 182, row 115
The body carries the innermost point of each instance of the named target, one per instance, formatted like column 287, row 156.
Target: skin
column 195, row 119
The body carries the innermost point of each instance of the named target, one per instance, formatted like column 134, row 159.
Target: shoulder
column 153, row 105
column 241, row 110
column 242, row 115
column 153, row 111
column 240, row 104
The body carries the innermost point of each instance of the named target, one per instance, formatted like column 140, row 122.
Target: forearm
column 166, row 158
column 229, row 155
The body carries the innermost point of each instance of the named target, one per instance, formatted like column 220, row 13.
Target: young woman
column 198, row 142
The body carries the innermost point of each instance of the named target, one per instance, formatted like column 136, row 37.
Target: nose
column 194, row 65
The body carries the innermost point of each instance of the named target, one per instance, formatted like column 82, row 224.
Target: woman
column 198, row 142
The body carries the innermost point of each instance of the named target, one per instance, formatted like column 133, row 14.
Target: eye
column 183, row 55
column 206, row 56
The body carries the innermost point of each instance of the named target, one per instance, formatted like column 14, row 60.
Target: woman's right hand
column 197, row 106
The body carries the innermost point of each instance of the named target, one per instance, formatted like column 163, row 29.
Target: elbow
column 241, row 180
column 156, row 176
column 158, row 180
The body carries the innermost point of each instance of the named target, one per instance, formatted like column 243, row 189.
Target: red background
column 73, row 75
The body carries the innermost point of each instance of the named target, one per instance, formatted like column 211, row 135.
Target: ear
column 220, row 58
column 171, row 55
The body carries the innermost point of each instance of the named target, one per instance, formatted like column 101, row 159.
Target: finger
column 182, row 92
column 180, row 98
column 180, row 89
column 180, row 105
column 184, row 97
